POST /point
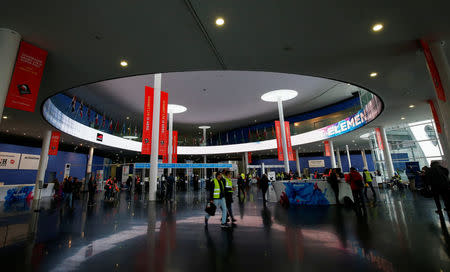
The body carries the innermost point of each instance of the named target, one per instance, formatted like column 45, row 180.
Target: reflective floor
column 400, row 233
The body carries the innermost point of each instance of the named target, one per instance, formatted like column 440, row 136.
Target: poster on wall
column 29, row 162
column 379, row 140
column 9, row 160
column 148, row 121
column 327, row 148
column 175, row 147
column 54, row 143
column 163, row 132
column 26, row 79
column 316, row 163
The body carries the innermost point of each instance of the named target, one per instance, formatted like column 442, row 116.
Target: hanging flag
column 80, row 110
column 135, row 131
column 54, row 143
column 327, row 148
column 89, row 114
column 26, row 78
column 227, row 137
column 435, row 116
column 249, row 157
column 148, row 121
column 96, row 119
column 74, row 102
column 273, row 132
column 110, row 124
column 124, row 129
column 174, row 146
column 432, row 68
column 163, row 132
column 117, row 126
column 257, row 135
column 288, row 141
column 103, row 120
column 265, row 133
column 279, row 144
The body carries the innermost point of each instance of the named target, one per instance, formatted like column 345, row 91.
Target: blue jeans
column 68, row 196
column 222, row 203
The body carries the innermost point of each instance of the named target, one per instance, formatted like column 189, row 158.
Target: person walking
column 68, row 188
column 217, row 196
column 170, row 185
column 264, row 183
column 368, row 178
column 229, row 195
column 333, row 180
column 357, row 185
column 92, row 188
column 437, row 178
column 241, row 186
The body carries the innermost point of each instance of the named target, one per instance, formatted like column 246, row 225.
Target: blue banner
column 185, row 165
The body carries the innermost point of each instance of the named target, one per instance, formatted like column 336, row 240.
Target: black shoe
column 233, row 220
column 224, row 226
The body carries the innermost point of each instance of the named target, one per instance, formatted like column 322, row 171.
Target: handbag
column 210, row 208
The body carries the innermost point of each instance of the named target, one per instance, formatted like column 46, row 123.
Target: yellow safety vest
column 368, row 177
column 229, row 185
column 242, row 176
column 217, row 187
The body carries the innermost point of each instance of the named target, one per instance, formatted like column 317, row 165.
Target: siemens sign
column 348, row 124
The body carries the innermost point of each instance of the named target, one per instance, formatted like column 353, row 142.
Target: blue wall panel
column 55, row 164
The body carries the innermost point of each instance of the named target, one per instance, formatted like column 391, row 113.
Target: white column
column 338, row 156
column 204, row 169
column 263, row 169
column 348, row 157
column 246, row 162
column 204, row 156
column 297, row 163
column 443, row 108
column 89, row 162
column 243, row 164
column 155, row 139
column 283, row 136
column 169, row 148
column 363, row 155
column 387, row 154
column 43, row 161
column 9, row 45
column 332, row 158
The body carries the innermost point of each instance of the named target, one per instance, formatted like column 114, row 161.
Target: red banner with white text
column 287, row 128
column 54, row 143
column 26, row 79
column 379, row 139
column 174, row 147
column 249, row 157
column 327, row 148
column 435, row 116
column 148, row 121
column 433, row 71
column 279, row 141
column 163, row 132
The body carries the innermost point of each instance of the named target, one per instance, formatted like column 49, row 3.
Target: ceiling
column 223, row 100
column 333, row 39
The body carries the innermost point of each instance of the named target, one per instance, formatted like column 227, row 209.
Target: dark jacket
column 68, row 186
column 437, row 178
column 264, row 182
column 333, row 178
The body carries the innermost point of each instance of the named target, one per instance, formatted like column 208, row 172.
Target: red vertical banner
column 287, row 128
column 163, row 132
column 433, row 71
column 54, row 143
column 148, row 121
column 249, row 157
column 279, row 143
column 435, row 116
column 26, row 79
column 175, row 146
column 379, row 139
column 327, row 148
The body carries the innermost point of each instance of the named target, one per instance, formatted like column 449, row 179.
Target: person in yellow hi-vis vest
column 229, row 195
column 368, row 178
column 241, row 186
column 217, row 196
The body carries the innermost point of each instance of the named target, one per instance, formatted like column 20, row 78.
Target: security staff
column 241, row 186
column 368, row 178
column 217, row 196
column 229, row 195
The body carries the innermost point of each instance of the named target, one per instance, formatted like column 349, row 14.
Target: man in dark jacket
column 68, row 188
column 170, row 185
column 437, row 178
column 357, row 185
column 92, row 187
column 241, row 186
column 264, row 183
column 333, row 180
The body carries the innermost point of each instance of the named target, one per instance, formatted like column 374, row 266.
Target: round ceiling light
column 282, row 94
column 403, row 118
column 377, row 27
column 173, row 108
column 373, row 74
column 220, row 21
column 123, row 63
column 5, row 117
column 204, row 127
column 411, row 106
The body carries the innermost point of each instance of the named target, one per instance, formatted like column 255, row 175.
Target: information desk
column 310, row 192
column 11, row 193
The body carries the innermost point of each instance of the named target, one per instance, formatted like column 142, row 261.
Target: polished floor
column 400, row 233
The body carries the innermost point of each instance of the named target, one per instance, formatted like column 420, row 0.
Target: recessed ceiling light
column 373, row 74
column 353, row 141
column 128, row 117
column 377, row 27
column 5, row 117
column 411, row 106
column 24, row 133
column 7, row 130
column 220, row 21
column 403, row 118
column 123, row 63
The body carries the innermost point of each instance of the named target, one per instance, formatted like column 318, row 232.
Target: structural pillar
column 297, row 163
column 89, row 162
column 338, row 156
column 43, row 161
column 387, row 154
column 246, row 162
column 332, row 158
column 155, row 139
column 263, row 169
column 204, row 169
column 348, row 158
column 283, row 135
column 9, row 45
column 363, row 155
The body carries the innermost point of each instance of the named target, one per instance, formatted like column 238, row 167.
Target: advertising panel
column 26, row 78
column 29, row 162
column 249, row 157
column 54, row 143
column 175, row 146
column 163, row 132
column 279, row 144
column 9, row 160
column 379, row 140
column 148, row 121
column 316, row 163
column 433, row 71
column 288, row 141
column 327, row 148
